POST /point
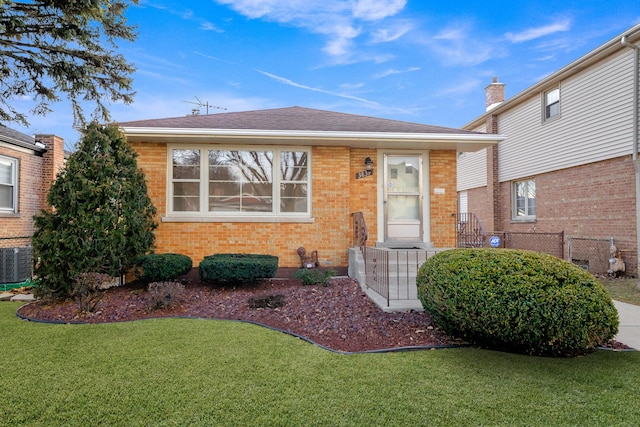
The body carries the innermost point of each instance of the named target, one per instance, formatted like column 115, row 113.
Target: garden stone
column 23, row 297
column 5, row 296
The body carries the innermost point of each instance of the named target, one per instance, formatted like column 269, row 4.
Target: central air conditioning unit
column 15, row 264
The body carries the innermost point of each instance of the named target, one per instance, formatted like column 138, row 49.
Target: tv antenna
column 200, row 104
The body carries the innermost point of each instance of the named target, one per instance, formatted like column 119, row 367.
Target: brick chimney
column 494, row 94
column 53, row 161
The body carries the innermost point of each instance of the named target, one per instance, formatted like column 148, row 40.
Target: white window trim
column 14, row 183
column 544, row 105
column 205, row 216
column 514, row 202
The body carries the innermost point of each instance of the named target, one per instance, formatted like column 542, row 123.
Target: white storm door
column 403, row 198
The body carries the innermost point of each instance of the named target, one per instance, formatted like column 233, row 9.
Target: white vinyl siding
column 597, row 108
column 472, row 170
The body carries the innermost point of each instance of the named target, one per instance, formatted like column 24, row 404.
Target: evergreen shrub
column 520, row 301
column 102, row 218
column 162, row 267
column 237, row 268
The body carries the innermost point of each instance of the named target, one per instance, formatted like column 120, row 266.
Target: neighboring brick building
column 567, row 163
column 28, row 166
column 211, row 179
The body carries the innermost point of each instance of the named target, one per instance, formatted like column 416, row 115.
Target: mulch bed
column 339, row 316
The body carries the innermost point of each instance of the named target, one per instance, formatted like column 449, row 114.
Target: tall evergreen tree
column 101, row 219
column 53, row 47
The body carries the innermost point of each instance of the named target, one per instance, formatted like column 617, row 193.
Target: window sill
column 280, row 219
column 523, row 220
column 9, row 215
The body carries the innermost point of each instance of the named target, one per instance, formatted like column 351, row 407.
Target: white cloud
column 455, row 45
column 373, row 10
column 385, row 35
column 461, row 88
column 538, row 32
column 288, row 82
column 340, row 21
column 208, row 26
column 392, row 71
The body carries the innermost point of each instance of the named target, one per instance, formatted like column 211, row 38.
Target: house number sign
column 363, row 174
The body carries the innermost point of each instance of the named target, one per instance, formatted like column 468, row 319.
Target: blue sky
column 413, row 60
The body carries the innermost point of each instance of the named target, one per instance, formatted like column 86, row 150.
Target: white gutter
column 634, row 150
column 256, row 133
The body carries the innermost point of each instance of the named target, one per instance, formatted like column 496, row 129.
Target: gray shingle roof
column 292, row 119
column 20, row 139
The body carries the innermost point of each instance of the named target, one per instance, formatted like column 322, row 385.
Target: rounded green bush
column 519, row 301
column 162, row 267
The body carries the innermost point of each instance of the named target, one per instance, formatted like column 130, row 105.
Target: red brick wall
column 480, row 202
column 591, row 201
column 52, row 162
column 35, row 175
column 29, row 199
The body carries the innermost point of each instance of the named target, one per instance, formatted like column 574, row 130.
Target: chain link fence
column 550, row 243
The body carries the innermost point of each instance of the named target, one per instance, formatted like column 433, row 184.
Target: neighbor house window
column 8, row 185
column 552, row 104
column 524, row 199
column 229, row 182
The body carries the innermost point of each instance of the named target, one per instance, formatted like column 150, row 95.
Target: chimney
column 53, row 161
column 494, row 94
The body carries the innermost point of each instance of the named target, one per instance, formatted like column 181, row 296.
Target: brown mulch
column 339, row 316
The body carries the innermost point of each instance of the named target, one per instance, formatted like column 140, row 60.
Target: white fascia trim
column 257, row 133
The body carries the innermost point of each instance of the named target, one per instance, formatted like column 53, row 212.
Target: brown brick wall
column 36, row 172
column 591, row 201
column 480, row 202
column 29, row 199
column 442, row 169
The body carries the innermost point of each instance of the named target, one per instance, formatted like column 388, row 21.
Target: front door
column 403, row 198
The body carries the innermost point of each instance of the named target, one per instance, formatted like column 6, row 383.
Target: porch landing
column 394, row 305
column 398, row 278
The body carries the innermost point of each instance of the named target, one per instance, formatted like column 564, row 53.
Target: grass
column 623, row 289
column 175, row 372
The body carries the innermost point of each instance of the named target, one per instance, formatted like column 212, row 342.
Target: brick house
column 271, row 181
column 28, row 166
column 569, row 160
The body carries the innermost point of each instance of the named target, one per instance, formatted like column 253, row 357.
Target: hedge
column 519, row 301
column 162, row 267
column 237, row 268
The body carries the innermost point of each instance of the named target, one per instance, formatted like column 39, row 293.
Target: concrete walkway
column 629, row 330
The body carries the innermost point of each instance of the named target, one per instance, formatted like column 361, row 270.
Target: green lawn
column 178, row 372
column 623, row 289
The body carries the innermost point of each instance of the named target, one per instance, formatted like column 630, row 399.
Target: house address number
column 363, row 174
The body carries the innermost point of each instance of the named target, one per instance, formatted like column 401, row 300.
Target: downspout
column 634, row 151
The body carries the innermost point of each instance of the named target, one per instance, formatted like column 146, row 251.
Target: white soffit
column 433, row 141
